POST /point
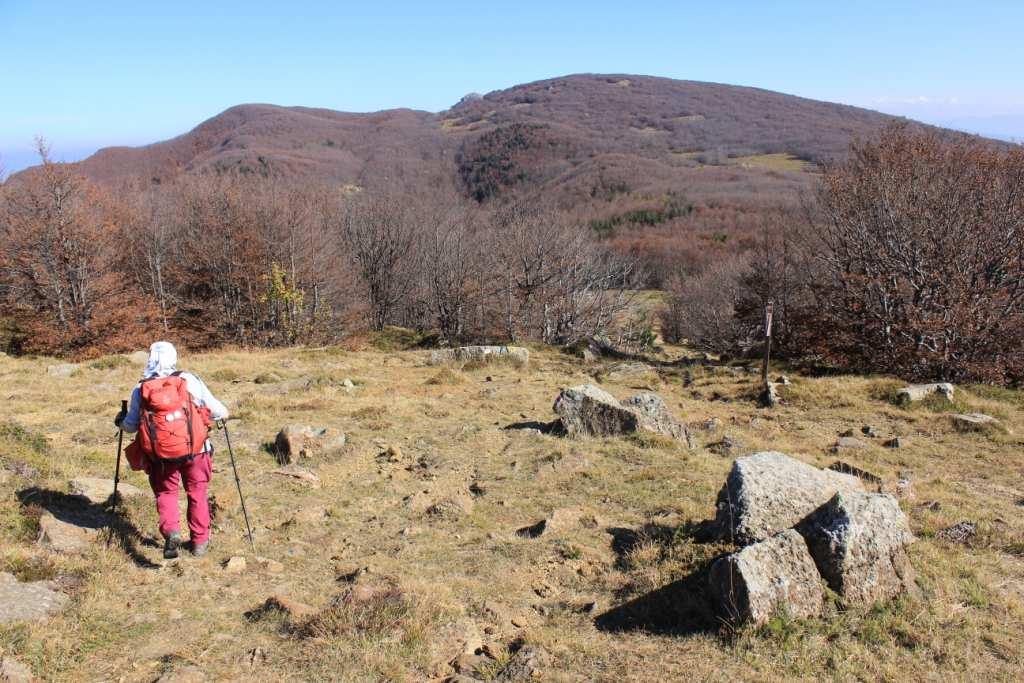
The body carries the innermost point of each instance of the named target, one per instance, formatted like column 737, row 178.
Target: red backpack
column 171, row 426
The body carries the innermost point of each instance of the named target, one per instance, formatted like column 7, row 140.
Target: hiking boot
column 200, row 550
column 171, row 546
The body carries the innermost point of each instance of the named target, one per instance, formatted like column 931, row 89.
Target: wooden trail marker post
column 767, row 394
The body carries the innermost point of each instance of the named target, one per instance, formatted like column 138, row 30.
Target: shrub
column 915, row 259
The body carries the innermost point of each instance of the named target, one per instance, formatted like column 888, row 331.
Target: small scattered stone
column 894, row 442
column 726, row 447
column 961, row 532
column 302, row 441
column 528, row 662
column 269, row 565
column 869, row 431
column 589, row 411
column 296, row 472
column 769, row 397
column 847, row 443
column 782, row 380
column 235, row 565
column 562, row 519
column 452, row 507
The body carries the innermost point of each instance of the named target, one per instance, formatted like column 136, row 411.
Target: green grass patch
column 33, row 441
column 109, row 363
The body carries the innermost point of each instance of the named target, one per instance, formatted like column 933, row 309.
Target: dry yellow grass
column 448, row 442
column 777, row 162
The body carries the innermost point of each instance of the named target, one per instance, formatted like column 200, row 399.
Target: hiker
column 175, row 411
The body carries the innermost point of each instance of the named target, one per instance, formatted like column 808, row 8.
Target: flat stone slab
column 974, row 422
column 98, row 490
column 919, row 392
column 32, row 601
column 71, row 532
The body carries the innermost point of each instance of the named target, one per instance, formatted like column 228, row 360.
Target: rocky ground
column 423, row 519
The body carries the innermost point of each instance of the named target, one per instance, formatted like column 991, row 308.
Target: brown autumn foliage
column 61, row 258
column 914, row 260
column 910, row 261
column 251, row 260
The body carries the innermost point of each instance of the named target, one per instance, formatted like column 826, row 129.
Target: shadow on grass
column 680, row 608
column 553, row 428
column 80, row 512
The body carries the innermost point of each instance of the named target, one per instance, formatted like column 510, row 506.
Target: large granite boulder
column 768, row 492
column 859, row 544
column 771, row 577
column 588, row 410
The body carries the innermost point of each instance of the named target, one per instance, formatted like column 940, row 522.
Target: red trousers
column 165, row 479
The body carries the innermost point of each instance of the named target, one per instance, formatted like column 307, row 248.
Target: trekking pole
column 238, row 483
column 117, row 467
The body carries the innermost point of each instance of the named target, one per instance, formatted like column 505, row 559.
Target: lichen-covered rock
column 588, row 410
column 659, row 418
column 767, row 578
column 768, row 492
column 302, row 441
column 859, row 544
column 919, row 392
column 975, row 422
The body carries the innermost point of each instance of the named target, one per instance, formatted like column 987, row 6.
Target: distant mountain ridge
column 574, row 136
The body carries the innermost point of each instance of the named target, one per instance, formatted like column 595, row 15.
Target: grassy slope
column 134, row 622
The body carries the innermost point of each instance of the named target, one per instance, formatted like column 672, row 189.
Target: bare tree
column 380, row 235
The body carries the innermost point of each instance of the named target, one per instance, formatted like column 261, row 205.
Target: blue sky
column 91, row 74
